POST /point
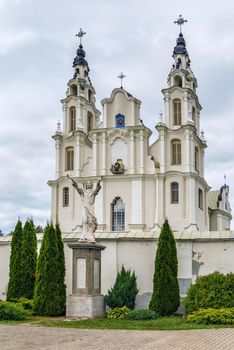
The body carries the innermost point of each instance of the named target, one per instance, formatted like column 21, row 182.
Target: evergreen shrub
column 124, row 291
column 213, row 316
column 166, row 297
column 212, row 291
column 118, row 313
column 141, row 314
column 10, row 311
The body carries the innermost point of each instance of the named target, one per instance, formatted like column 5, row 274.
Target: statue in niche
column 118, row 167
column 89, row 220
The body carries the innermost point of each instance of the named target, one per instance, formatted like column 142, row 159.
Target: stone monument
column 86, row 299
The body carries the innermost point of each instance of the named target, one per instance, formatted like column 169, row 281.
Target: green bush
column 124, row 291
column 212, row 291
column 213, row 316
column 118, row 312
column 24, row 303
column 141, row 314
column 10, row 311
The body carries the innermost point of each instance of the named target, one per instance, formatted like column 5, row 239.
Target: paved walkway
column 41, row 338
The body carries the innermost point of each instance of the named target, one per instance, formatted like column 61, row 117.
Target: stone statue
column 89, row 221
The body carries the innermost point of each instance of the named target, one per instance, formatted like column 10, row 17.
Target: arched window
column 178, row 81
column 175, row 152
column 118, row 214
column 65, row 196
column 174, row 192
column 177, row 111
column 200, row 198
column 69, row 158
column 72, row 119
column 90, row 94
column 194, row 114
column 196, row 158
column 89, row 122
column 73, row 90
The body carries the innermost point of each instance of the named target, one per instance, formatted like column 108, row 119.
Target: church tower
column 182, row 189
column 73, row 143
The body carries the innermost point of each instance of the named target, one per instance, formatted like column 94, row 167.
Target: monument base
column 85, row 306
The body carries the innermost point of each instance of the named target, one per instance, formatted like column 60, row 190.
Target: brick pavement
column 26, row 337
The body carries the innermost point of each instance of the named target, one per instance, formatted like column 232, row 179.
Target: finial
column 161, row 117
column 225, row 180
column 180, row 21
column 202, row 135
column 121, row 77
column 80, row 35
column 59, row 127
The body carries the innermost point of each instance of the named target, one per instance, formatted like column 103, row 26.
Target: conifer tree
column 61, row 268
column 165, row 298
column 15, row 282
column 28, row 259
column 47, row 296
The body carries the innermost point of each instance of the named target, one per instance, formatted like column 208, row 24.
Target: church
column 142, row 183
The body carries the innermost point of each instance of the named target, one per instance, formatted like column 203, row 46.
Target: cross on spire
column 80, row 35
column 121, row 77
column 180, row 21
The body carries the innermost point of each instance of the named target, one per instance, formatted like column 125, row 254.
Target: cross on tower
column 180, row 21
column 121, row 77
column 80, row 35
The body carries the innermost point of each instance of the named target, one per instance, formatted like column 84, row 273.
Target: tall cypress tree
column 166, row 297
column 61, row 268
column 15, row 282
column 47, row 296
column 28, row 259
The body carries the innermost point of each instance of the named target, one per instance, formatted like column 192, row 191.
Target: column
column 104, row 154
column 58, row 157
column 141, row 157
column 167, row 108
column 65, row 121
column 162, row 151
column 132, row 153
column 186, row 151
column 80, row 116
column 95, row 167
column 186, row 107
column 77, row 158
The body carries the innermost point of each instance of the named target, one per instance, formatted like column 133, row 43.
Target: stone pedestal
column 86, row 299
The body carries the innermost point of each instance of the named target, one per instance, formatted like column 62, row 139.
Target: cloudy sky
column 37, row 47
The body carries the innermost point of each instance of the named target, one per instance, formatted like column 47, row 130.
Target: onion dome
column 80, row 57
column 180, row 47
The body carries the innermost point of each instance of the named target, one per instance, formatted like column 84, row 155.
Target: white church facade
column 142, row 183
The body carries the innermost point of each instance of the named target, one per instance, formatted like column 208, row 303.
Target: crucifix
column 121, row 77
column 80, row 35
column 180, row 21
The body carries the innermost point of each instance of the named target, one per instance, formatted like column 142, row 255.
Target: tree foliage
column 212, row 291
column 15, row 277
column 61, row 268
column 28, row 259
column 165, row 298
column 49, row 289
column 124, row 291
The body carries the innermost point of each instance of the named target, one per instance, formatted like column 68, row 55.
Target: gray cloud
column 37, row 47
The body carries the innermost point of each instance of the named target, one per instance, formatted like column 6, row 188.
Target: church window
column 200, row 198
column 69, row 158
column 72, row 119
column 65, row 196
column 174, row 192
column 118, row 214
column 177, row 111
column 194, row 114
column 175, row 152
column 73, row 90
column 196, row 158
column 178, row 81
column 89, row 94
column 120, row 120
column 89, row 121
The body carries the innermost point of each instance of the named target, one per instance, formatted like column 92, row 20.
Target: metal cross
column 180, row 21
column 80, row 35
column 121, row 77
column 225, row 179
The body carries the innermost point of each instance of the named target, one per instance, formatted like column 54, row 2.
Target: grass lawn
column 163, row 323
